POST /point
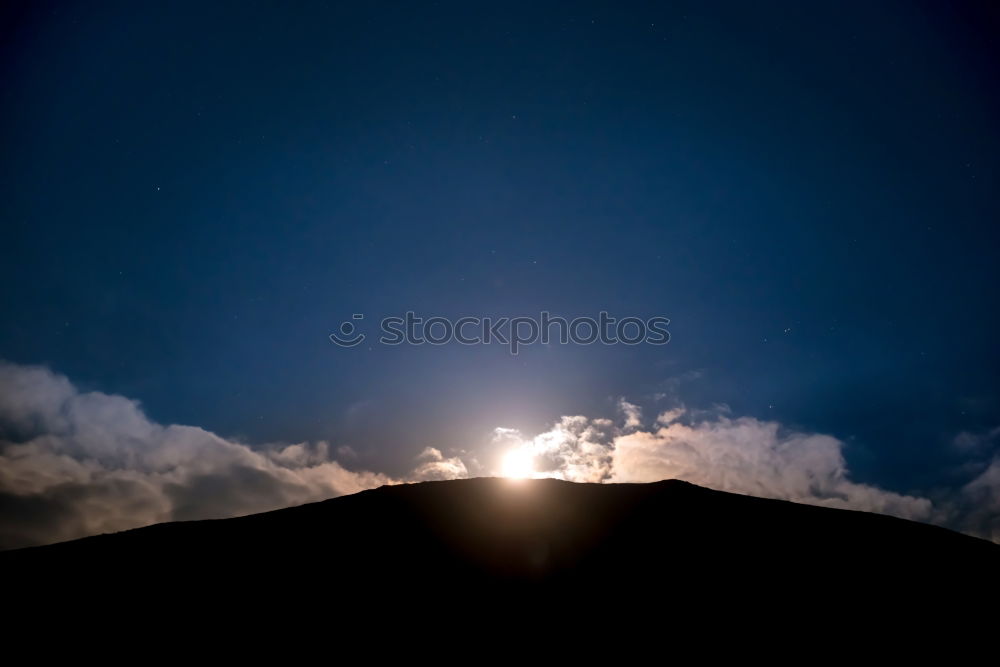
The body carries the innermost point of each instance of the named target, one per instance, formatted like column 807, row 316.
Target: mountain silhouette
column 522, row 551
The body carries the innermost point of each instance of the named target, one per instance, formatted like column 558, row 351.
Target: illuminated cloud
column 760, row 458
column 743, row 455
column 75, row 464
column 576, row 449
column 633, row 415
column 434, row 466
column 80, row 463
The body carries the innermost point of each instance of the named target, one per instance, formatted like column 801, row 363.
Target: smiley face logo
column 347, row 337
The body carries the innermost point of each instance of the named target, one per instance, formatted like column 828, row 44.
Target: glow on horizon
column 518, row 464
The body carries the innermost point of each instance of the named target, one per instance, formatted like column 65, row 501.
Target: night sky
column 195, row 195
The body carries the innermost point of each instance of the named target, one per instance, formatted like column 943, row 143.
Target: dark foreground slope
column 469, row 550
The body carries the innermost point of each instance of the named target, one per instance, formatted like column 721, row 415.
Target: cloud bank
column 75, row 464
column 981, row 497
column 741, row 455
column 81, row 463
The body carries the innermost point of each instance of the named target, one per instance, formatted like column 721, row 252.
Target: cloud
column 576, row 448
column 980, row 503
column 969, row 442
column 434, row 466
column 742, row 455
column 79, row 463
column 668, row 416
column 754, row 457
column 633, row 415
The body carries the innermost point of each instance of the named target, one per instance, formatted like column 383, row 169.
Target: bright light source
column 518, row 464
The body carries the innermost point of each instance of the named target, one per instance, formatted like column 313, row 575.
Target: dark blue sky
column 195, row 196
